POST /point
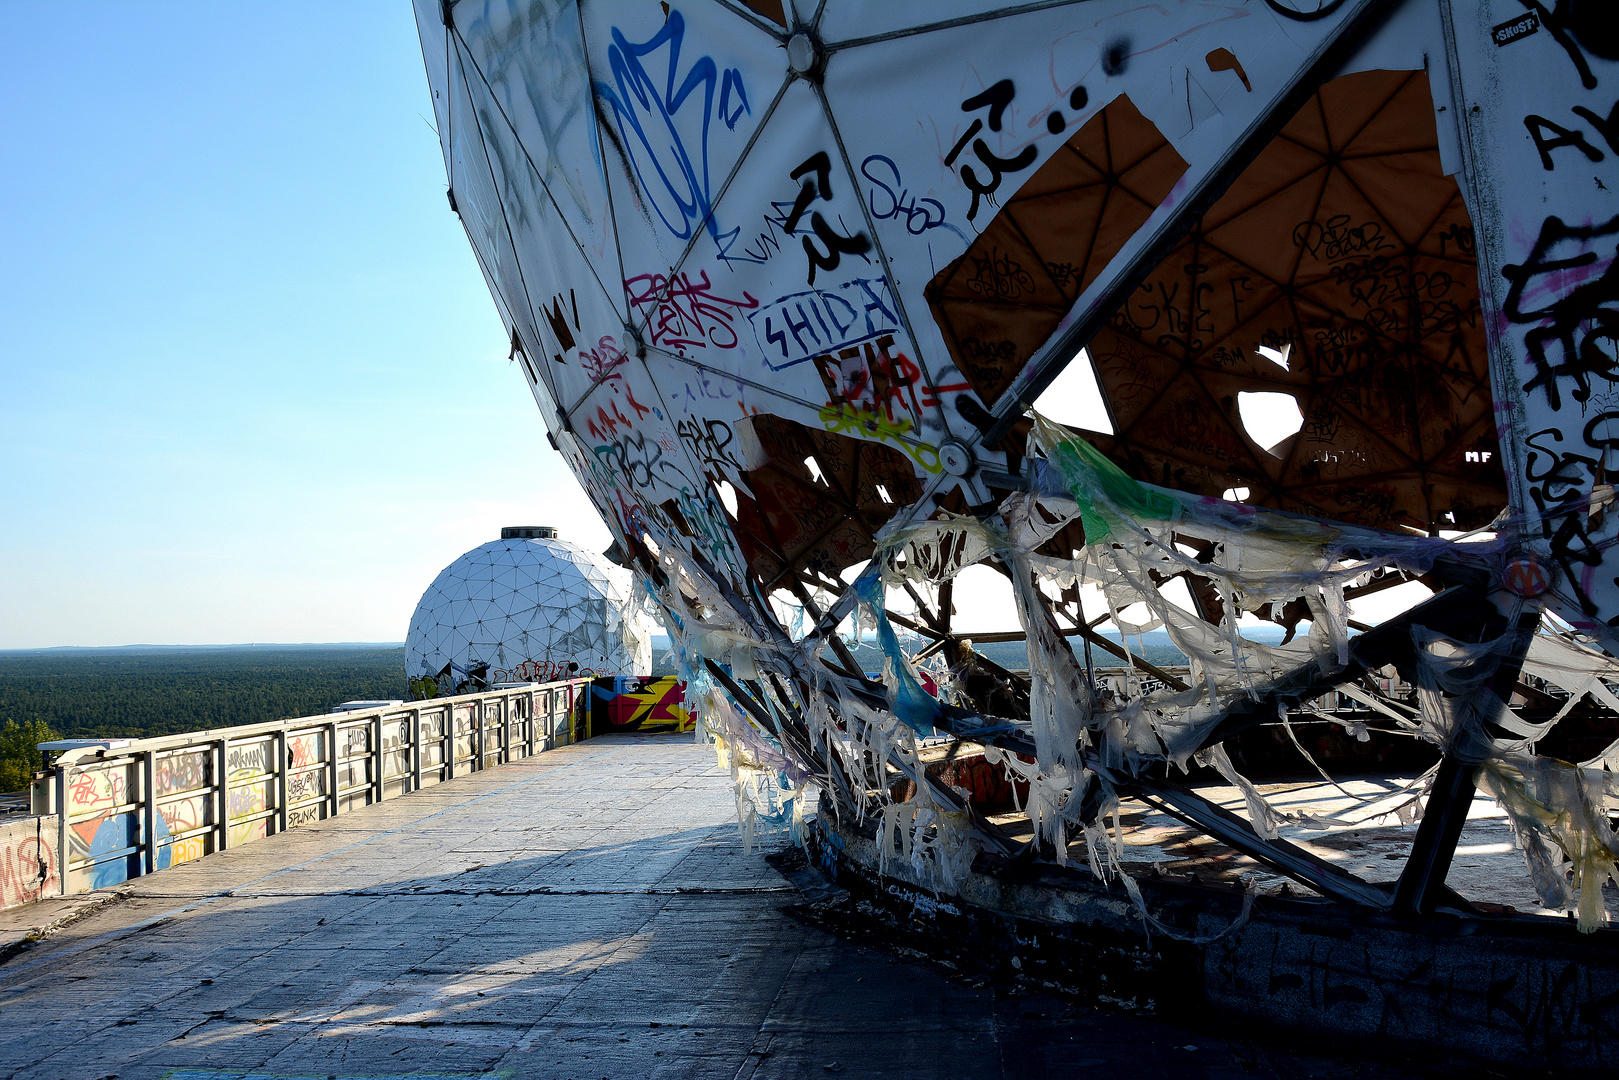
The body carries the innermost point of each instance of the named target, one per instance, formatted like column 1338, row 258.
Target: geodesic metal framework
column 786, row 280
column 523, row 610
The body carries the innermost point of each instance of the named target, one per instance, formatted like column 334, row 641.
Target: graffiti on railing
column 271, row 775
column 27, row 867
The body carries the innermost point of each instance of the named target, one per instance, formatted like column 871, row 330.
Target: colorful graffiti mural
column 641, row 704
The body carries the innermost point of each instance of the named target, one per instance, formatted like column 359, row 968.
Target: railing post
column 379, row 762
column 63, row 851
column 416, row 749
column 448, row 737
column 332, row 765
column 222, row 787
column 148, row 769
column 506, row 729
column 282, row 764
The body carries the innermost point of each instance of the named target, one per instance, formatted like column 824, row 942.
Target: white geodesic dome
column 525, row 608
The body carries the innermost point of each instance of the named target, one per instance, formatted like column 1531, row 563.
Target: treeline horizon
column 141, row 692
column 144, row 691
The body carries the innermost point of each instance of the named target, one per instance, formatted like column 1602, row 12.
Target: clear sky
column 254, row 385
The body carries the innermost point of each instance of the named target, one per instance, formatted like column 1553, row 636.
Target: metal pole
column 222, row 790
column 506, row 729
column 415, row 749
column 282, row 764
column 331, row 765
column 448, row 736
column 379, row 762
column 148, row 767
column 62, row 849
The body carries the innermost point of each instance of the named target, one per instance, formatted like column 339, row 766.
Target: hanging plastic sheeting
column 1557, row 814
column 785, row 279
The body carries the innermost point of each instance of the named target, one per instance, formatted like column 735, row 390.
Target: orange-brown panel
column 999, row 303
column 1344, row 243
column 798, row 522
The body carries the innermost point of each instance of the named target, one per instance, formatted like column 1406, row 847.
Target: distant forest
column 136, row 693
column 143, row 692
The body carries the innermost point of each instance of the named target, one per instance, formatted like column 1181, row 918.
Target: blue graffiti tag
column 674, row 181
column 920, row 214
column 794, row 328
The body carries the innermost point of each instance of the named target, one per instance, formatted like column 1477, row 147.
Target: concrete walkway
column 586, row 913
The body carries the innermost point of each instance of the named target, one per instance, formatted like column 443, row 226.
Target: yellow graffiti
column 844, row 419
column 187, row 850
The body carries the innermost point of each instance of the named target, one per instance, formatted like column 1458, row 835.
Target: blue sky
column 254, row 385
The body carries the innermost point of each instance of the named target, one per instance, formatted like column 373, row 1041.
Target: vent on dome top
column 528, row 532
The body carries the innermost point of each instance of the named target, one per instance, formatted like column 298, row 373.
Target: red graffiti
column 683, row 314
column 27, row 871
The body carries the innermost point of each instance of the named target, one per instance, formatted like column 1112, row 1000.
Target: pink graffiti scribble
column 683, row 314
column 599, row 363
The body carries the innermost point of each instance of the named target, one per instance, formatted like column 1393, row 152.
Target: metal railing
column 149, row 804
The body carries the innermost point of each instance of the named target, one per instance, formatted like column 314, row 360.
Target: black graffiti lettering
column 1538, row 125
column 961, row 144
column 1337, row 239
column 709, row 442
column 1608, row 129
column 997, row 97
column 1572, row 544
column 1236, row 299
column 836, row 244
column 1563, row 475
column 821, row 165
column 1579, row 324
column 996, row 166
column 999, row 277
column 1603, row 440
column 1555, row 22
column 1459, row 236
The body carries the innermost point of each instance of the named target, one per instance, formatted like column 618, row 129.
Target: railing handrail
column 129, row 810
column 158, row 743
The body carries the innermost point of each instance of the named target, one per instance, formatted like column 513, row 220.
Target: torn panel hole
column 727, row 496
column 1236, row 494
column 770, row 9
column 1386, row 437
column 1137, row 618
column 1270, row 418
column 1276, row 356
column 811, row 504
column 676, row 518
column 1385, row 604
column 882, row 493
column 983, row 602
column 1074, row 398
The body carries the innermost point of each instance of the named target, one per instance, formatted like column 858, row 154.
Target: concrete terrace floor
column 586, row 913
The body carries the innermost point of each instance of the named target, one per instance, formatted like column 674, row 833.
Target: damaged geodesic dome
column 528, row 607
column 799, row 289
